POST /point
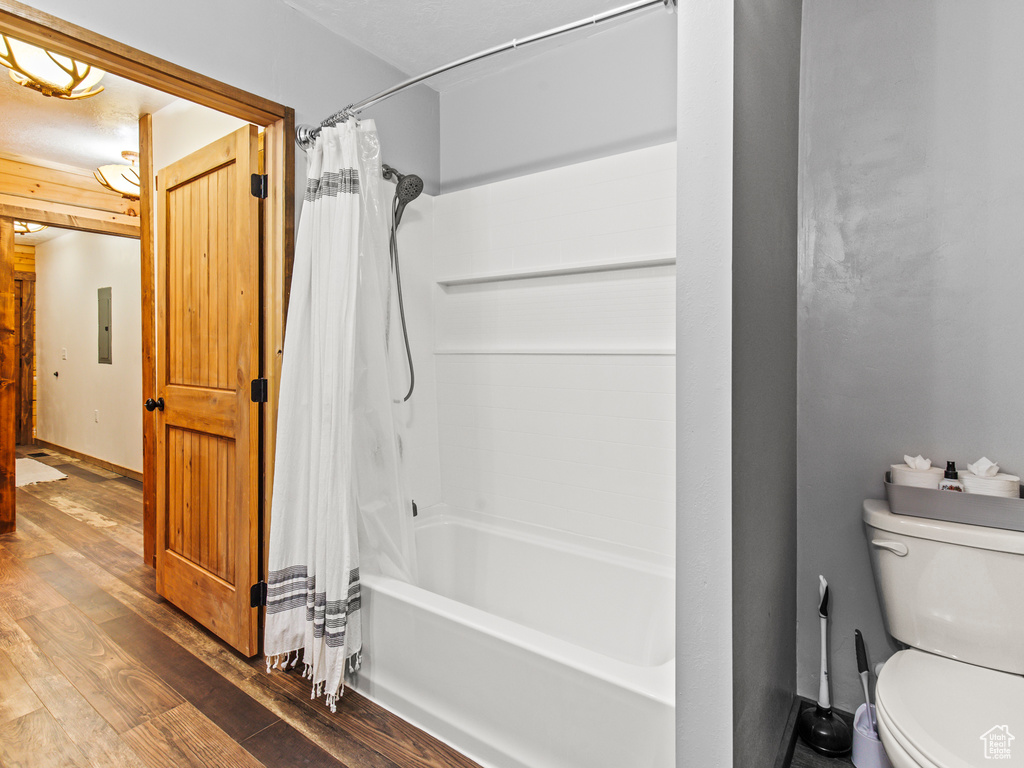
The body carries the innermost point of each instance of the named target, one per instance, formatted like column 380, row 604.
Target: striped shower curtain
column 338, row 501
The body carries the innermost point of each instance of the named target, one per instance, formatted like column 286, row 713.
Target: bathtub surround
column 417, row 417
column 555, row 392
column 541, row 313
column 912, row 186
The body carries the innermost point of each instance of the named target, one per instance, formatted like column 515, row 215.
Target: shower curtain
column 339, row 504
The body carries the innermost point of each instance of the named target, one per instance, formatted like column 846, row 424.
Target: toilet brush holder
column 868, row 751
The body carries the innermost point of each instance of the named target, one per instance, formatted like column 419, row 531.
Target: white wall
column 69, row 270
column 603, row 94
column 704, row 703
column 912, row 188
column 183, row 127
column 556, row 393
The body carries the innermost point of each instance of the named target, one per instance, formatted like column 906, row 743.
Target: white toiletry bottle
column 951, row 480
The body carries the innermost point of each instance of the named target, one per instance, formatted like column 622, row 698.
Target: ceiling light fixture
column 123, row 179
column 49, row 73
column 27, row 227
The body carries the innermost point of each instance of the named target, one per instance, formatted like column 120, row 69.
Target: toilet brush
column 821, row 729
column 862, row 669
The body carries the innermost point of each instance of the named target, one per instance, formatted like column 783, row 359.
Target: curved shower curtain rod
column 305, row 135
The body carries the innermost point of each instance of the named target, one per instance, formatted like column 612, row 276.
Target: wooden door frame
column 8, row 375
column 26, row 319
column 33, row 26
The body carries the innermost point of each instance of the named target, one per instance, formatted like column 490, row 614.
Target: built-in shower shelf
column 563, row 269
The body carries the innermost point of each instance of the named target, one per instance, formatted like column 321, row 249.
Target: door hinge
column 259, row 390
column 258, row 595
column 258, row 185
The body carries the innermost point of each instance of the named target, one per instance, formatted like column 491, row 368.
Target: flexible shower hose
column 401, row 304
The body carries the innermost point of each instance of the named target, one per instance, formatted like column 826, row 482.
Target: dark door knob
column 152, row 405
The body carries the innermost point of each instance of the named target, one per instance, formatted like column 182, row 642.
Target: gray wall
column 274, row 51
column 596, row 96
column 764, row 451
column 912, row 198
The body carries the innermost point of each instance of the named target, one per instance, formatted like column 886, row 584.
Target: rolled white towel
column 1007, row 486
column 984, row 477
column 917, row 472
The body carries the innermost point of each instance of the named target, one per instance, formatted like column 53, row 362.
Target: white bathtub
column 525, row 651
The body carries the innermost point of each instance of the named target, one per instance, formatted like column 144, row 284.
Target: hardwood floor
column 96, row 669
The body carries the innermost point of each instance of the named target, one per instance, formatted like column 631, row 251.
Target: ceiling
column 413, row 35
column 419, row 35
column 81, row 134
column 36, row 238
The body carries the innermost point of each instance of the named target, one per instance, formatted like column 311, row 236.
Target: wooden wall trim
column 8, row 377
column 37, row 182
column 69, row 216
column 102, row 463
column 42, row 29
column 26, row 319
column 148, row 254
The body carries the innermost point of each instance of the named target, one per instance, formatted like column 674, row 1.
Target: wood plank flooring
column 96, row 669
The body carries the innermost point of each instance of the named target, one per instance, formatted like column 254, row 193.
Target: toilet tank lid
column 947, row 708
column 877, row 515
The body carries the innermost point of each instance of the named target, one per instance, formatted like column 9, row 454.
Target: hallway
column 97, row 670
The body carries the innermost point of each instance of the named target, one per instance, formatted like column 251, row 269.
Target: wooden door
column 24, row 340
column 207, row 350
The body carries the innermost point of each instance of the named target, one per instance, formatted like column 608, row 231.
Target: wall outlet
column 96, row 416
column 64, row 353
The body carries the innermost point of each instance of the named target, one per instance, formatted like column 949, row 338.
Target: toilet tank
column 947, row 588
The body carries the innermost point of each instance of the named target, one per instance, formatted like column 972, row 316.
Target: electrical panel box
column 105, row 350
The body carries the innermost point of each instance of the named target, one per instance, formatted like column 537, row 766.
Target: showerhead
column 408, row 189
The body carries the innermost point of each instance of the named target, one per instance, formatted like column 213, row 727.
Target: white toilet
column 955, row 594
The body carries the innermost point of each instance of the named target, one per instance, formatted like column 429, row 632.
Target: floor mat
column 30, row 471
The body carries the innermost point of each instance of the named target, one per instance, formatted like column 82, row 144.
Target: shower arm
column 305, row 135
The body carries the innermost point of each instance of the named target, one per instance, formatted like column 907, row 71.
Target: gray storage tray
column 953, row 507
